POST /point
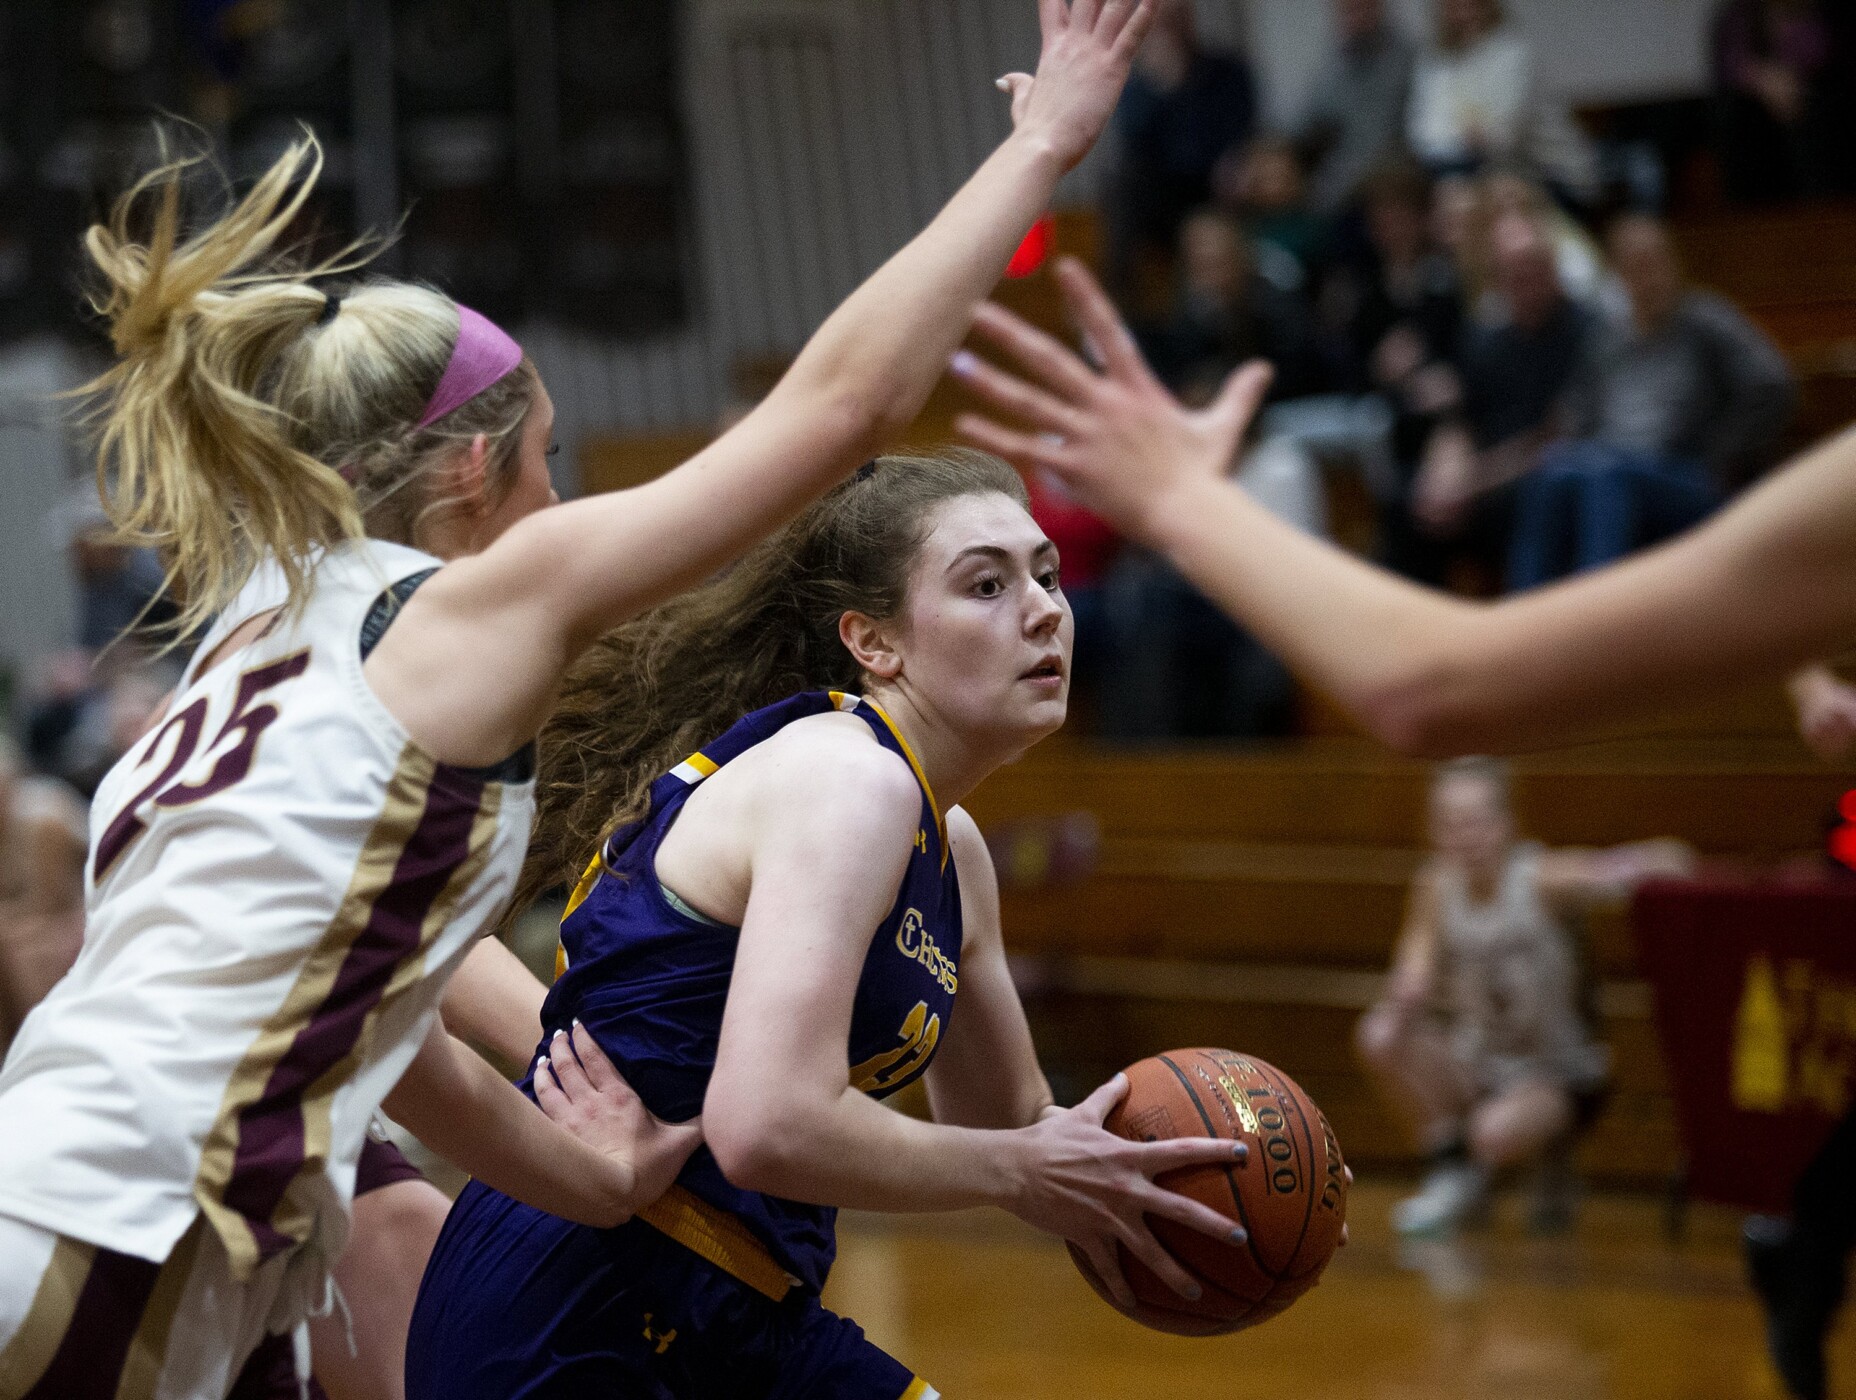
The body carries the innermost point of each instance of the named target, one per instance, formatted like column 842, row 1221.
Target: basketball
column 1290, row 1193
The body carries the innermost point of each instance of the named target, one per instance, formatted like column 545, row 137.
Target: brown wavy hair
column 651, row 693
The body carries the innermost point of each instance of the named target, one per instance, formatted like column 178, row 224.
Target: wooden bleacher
column 1251, row 897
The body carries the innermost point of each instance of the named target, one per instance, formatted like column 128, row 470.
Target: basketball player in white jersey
column 284, row 874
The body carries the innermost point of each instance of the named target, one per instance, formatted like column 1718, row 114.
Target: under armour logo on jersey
column 663, row 1339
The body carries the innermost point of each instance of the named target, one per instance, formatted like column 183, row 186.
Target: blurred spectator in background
column 1264, row 185
column 1582, row 272
column 1183, row 669
column 1185, row 106
column 86, row 710
column 1485, row 1035
column 1771, row 60
column 1227, row 312
column 1476, row 100
column 1673, row 408
column 1513, row 376
column 43, row 840
column 1086, row 546
column 1356, row 119
column 117, row 585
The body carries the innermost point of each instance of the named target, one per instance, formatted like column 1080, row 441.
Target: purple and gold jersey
column 649, row 977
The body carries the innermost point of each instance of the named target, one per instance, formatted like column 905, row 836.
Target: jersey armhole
column 519, row 767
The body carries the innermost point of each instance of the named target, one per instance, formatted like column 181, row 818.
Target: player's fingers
column 1048, row 359
column 1142, row 1245
column 1101, row 322
column 1023, row 450
column 567, row 1070
column 1173, row 1153
column 1102, row 1102
column 1243, row 395
column 1194, row 1215
column 1083, row 14
column 1105, row 1259
column 1012, row 395
column 1113, row 18
column 1053, row 15
column 601, row 1073
column 1134, row 32
column 548, row 1089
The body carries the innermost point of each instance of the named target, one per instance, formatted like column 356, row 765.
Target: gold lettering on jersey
column 921, row 841
column 919, row 1035
column 915, row 942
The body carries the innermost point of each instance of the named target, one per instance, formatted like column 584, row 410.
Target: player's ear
column 869, row 644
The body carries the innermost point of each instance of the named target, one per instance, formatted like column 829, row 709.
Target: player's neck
column 951, row 760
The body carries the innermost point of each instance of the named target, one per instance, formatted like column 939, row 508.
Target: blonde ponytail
column 239, row 423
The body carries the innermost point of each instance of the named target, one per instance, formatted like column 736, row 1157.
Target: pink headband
column 484, row 355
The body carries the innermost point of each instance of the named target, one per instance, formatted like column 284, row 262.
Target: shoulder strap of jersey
column 891, row 738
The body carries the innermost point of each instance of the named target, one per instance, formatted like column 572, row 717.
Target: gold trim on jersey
column 940, row 822
column 54, row 1303
column 148, row 1353
column 292, row 1217
column 718, row 1237
column 402, row 808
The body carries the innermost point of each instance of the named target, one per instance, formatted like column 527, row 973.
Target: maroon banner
column 1755, row 986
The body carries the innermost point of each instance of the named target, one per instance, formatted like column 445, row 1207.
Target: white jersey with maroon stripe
column 280, row 882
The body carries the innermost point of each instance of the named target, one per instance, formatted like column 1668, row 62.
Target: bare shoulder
column 833, row 764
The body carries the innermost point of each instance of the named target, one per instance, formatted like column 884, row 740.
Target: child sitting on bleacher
column 1482, row 1038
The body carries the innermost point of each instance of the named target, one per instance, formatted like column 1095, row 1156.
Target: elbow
column 1422, row 715
column 756, row 1149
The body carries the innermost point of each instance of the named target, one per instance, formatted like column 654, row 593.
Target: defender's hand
column 1089, row 46
column 582, row 1090
column 1118, row 439
column 1096, row 1189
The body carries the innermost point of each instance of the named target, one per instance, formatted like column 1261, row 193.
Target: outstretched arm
column 556, row 581
column 1763, row 587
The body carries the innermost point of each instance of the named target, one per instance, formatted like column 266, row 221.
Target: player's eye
column 1050, row 581
column 988, row 586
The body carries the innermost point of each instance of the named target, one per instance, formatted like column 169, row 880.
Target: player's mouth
column 1048, row 672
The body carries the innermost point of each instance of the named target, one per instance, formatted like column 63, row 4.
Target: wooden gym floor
column 987, row 1309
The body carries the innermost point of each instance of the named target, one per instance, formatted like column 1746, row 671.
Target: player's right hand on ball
column 582, row 1090
column 1095, row 1189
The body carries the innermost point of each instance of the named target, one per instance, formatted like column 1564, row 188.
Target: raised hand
column 1095, row 1189
column 582, row 1090
column 1118, row 439
column 1089, row 46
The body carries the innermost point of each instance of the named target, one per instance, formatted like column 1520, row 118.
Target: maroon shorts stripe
column 271, row 1133
column 90, row 1357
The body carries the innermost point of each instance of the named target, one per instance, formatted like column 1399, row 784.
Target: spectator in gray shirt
column 1673, row 409
column 1356, row 118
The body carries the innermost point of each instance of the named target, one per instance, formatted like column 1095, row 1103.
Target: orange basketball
column 1290, row 1193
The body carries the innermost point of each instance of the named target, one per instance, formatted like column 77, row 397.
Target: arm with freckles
column 1763, row 587
column 833, row 825
column 986, row 1073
